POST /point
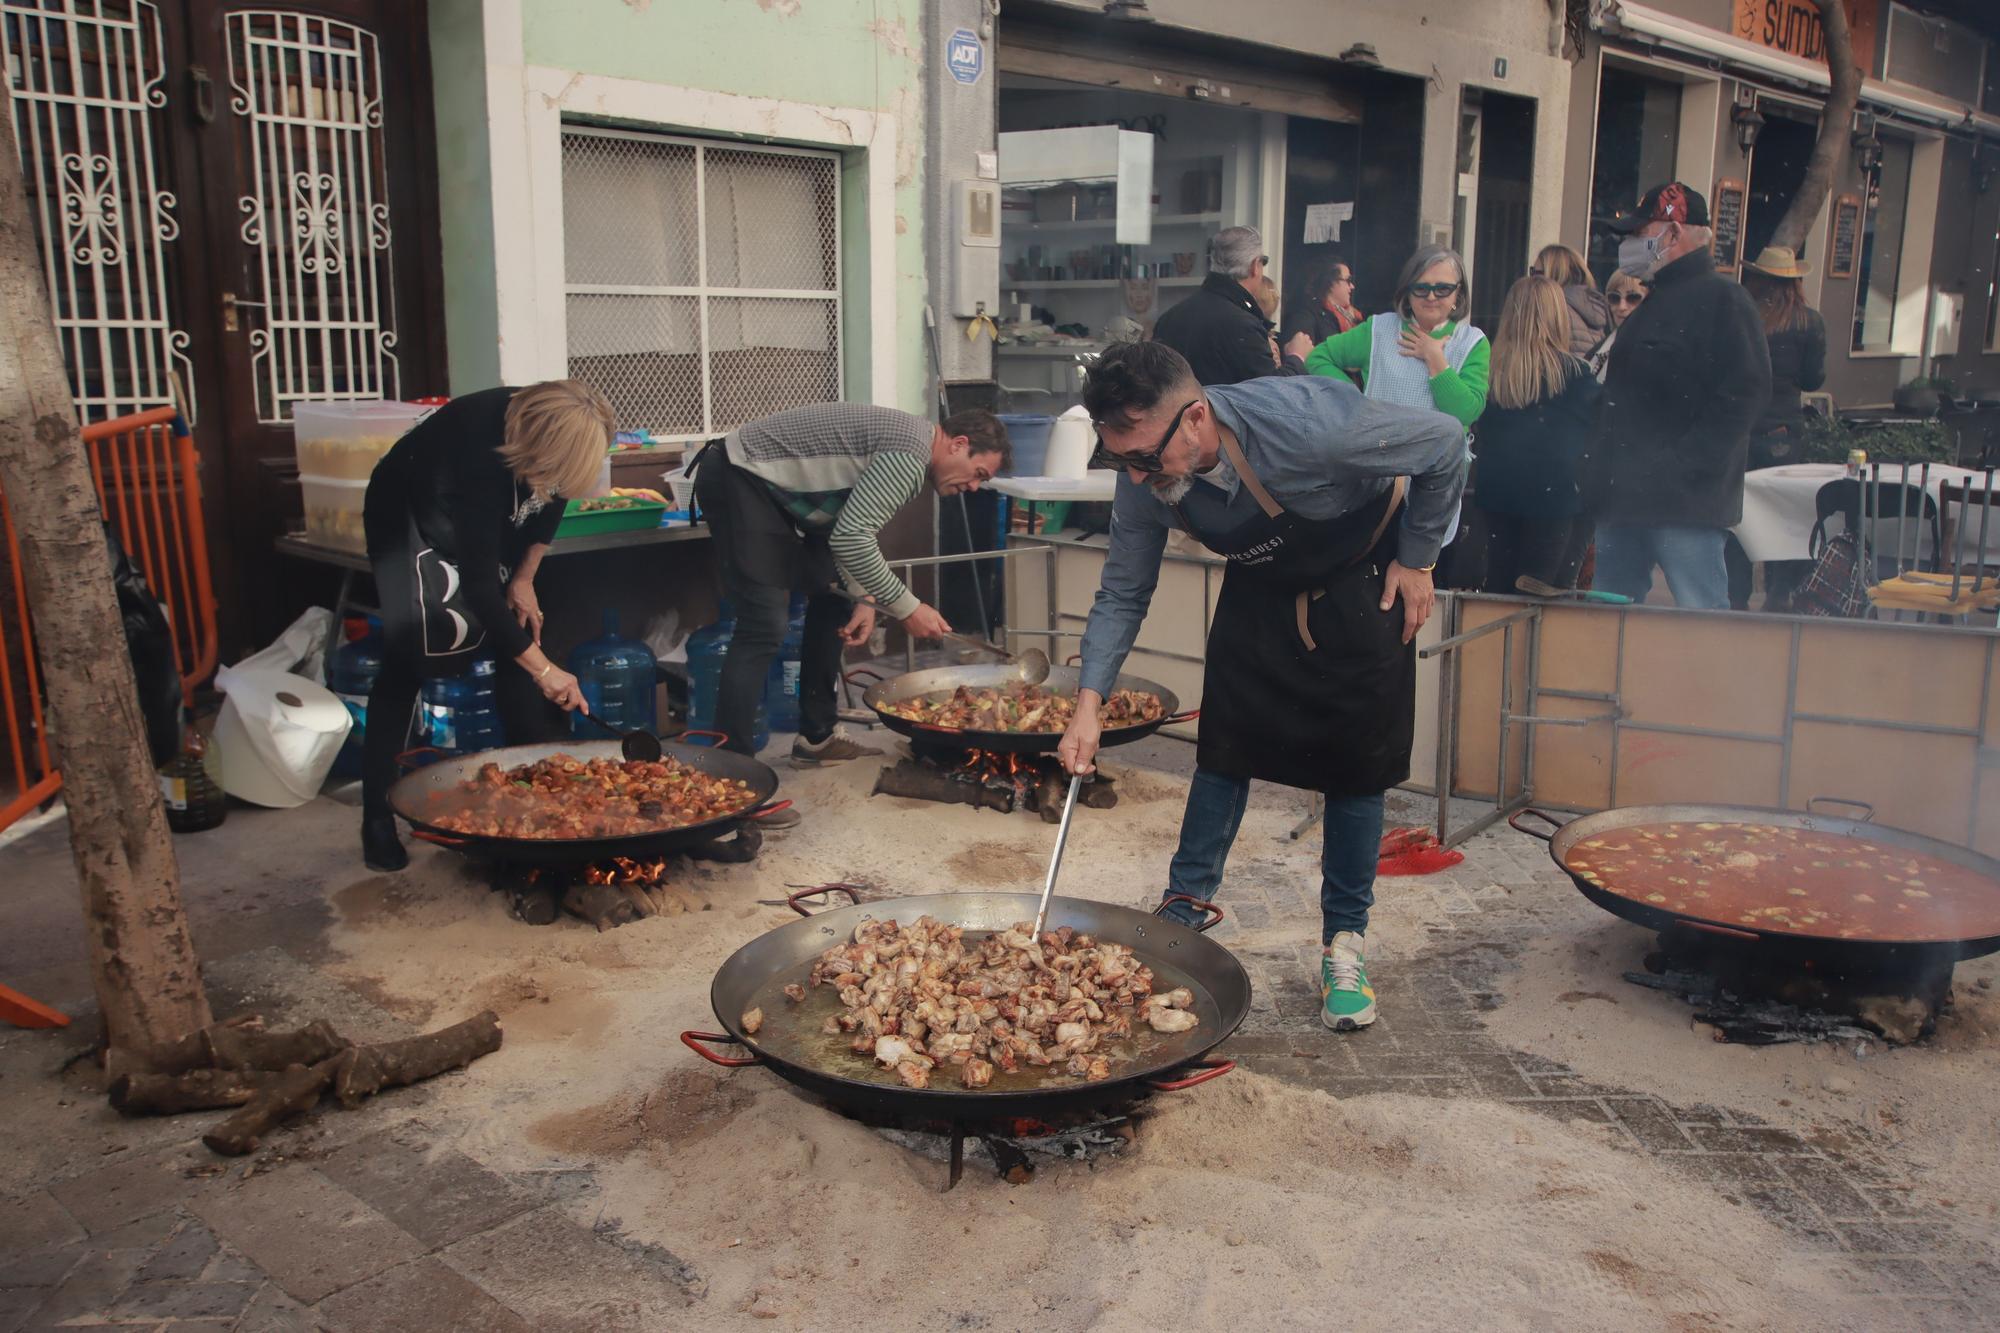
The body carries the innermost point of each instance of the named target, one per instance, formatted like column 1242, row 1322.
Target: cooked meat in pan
column 566, row 797
column 1027, row 708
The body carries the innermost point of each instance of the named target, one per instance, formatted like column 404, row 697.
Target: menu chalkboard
column 1846, row 237
column 1726, row 216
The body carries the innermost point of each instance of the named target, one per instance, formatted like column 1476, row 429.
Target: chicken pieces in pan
column 920, row 998
column 1025, row 708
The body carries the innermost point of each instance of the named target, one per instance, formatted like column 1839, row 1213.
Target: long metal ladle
column 638, row 747
column 1055, row 862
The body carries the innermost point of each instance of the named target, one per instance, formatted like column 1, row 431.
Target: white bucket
column 276, row 737
column 1071, row 441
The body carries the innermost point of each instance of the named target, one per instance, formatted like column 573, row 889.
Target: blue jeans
column 1690, row 557
column 1353, row 838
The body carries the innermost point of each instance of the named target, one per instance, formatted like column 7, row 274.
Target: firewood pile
column 274, row 1075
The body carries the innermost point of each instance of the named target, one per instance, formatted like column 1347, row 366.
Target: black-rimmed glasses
column 1151, row 460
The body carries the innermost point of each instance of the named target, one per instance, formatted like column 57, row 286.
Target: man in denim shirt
column 1330, row 508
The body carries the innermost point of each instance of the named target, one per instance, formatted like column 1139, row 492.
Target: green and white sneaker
column 1348, row 999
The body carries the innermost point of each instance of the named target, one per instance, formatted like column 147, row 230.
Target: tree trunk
column 1830, row 151
column 142, row 959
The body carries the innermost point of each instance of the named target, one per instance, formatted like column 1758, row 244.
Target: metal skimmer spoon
column 1055, row 862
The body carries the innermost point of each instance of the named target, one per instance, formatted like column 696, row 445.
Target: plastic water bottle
column 618, row 676
column 461, row 714
column 707, row 650
column 781, row 687
column 351, row 676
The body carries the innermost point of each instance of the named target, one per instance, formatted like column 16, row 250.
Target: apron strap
column 1302, row 605
column 1251, row 482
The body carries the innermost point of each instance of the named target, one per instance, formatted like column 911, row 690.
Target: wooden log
column 921, row 782
column 243, row 1045
column 197, row 1090
column 642, row 902
column 297, row 1089
column 602, row 905
column 365, row 1070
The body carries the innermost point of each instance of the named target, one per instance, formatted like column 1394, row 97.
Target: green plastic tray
column 581, row 523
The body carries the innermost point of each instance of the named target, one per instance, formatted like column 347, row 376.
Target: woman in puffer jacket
column 1589, row 312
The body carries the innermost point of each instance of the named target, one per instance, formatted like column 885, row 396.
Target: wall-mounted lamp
column 1361, row 53
column 1749, row 122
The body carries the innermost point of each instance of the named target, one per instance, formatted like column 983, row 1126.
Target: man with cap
column 1688, row 376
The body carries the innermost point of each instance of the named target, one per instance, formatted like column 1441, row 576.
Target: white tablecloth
column 1780, row 505
column 1096, row 484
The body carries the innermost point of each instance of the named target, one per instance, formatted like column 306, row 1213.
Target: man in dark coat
column 1219, row 329
column 1688, row 375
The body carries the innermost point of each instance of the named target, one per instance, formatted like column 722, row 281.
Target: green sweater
column 1460, row 393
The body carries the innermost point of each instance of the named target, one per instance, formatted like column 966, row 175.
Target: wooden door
column 310, row 266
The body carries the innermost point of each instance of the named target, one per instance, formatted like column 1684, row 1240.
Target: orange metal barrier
column 148, row 488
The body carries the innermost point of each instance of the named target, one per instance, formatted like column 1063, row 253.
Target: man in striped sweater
column 797, row 501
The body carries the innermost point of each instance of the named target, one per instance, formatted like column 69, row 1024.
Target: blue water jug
column 351, row 676
column 707, row 649
column 461, row 714
column 618, row 677
column 781, row 687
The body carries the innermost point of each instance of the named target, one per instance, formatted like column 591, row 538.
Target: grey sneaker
column 837, row 748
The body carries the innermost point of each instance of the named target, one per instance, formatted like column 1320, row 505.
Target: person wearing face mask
column 1688, row 375
column 1299, row 482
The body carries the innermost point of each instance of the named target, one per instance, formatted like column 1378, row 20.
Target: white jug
column 1071, row 441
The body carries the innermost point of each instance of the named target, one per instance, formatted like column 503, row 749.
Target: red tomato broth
column 1785, row 880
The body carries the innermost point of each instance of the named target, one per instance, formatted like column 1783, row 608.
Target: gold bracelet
column 543, row 672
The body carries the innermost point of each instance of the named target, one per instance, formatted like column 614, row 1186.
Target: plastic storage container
column 1029, row 435
column 618, row 676
column 351, row 677
column 341, row 441
column 333, row 511
column 461, row 714
column 707, row 649
column 781, row 687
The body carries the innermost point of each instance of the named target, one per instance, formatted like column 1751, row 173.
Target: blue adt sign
column 964, row 56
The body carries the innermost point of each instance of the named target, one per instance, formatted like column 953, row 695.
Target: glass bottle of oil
column 194, row 801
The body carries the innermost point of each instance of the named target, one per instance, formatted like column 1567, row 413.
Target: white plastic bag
column 301, row 648
column 276, row 737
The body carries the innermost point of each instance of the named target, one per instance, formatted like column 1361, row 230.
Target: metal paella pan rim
column 1967, row 934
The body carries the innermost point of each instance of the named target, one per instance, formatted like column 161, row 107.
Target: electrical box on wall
column 975, row 255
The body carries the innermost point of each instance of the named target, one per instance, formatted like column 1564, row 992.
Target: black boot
column 381, row 849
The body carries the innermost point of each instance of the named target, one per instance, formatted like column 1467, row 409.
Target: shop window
column 701, row 280
column 1882, row 239
column 1638, row 138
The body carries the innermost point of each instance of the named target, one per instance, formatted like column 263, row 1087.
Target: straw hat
column 1778, row 262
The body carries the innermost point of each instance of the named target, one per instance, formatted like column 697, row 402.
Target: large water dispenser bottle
column 461, row 714
column 781, row 687
column 618, row 676
column 707, row 649
column 351, row 676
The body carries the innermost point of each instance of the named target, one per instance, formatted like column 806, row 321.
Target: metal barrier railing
column 144, row 467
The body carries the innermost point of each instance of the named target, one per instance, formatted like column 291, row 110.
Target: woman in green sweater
column 1422, row 353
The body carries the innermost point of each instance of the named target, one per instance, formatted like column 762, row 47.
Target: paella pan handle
column 771, row 808
column 425, row 835
column 406, row 761
column 1529, row 812
column 721, row 738
column 1867, row 810
column 1172, row 719
column 851, row 890
column 869, row 672
column 1727, row 932
column 693, row 1041
column 1214, row 919
column 1210, row 1068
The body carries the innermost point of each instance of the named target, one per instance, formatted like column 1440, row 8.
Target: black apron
column 756, row 540
column 1308, row 681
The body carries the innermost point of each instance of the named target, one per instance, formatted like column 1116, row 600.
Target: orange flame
column 625, row 870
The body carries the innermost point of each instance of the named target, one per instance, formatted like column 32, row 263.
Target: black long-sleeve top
column 448, row 473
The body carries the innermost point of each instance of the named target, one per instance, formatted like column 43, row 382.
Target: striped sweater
column 843, row 469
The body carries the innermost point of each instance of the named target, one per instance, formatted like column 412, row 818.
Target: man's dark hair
column 986, row 434
column 1130, row 379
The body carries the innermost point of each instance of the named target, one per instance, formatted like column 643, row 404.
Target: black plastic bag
column 151, row 642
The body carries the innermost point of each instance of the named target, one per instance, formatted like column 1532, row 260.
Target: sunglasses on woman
column 1627, row 298
column 1434, row 289
column 1151, row 460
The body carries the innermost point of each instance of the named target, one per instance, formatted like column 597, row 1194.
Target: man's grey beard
column 1173, row 492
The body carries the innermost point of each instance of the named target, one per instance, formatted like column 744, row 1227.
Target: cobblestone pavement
column 367, row 1224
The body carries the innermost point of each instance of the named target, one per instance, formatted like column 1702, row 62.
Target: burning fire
column 625, row 870
column 994, row 766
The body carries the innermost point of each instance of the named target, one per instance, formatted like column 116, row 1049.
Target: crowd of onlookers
column 1608, row 431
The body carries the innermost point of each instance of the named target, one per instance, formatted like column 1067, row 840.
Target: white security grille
column 703, row 280
column 307, row 92
column 86, row 78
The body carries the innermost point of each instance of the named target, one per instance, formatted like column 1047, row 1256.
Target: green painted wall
column 848, row 53
column 465, row 194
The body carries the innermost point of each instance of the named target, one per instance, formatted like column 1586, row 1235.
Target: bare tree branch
column 1829, row 153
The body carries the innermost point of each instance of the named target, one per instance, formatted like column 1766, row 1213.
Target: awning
column 1748, row 60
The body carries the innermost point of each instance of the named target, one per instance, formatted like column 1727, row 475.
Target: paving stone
column 1735, row 1171
column 40, row 1268
column 1568, row 1108
column 183, row 1257
column 271, row 1311
column 437, row 1195
column 18, row 1305
column 229, row 1266
column 1827, row 1185
column 184, row 1300
column 134, row 1187
column 310, row 1235
column 91, row 1288
column 557, row 1276
column 1651, row 1123
column 146, row 1234
column 35, row 1221
column 1713, row 1138
column 425, row 1295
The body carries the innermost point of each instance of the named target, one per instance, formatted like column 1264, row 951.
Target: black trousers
column 525, row 716
column 1549, row 549
column 762, row 559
